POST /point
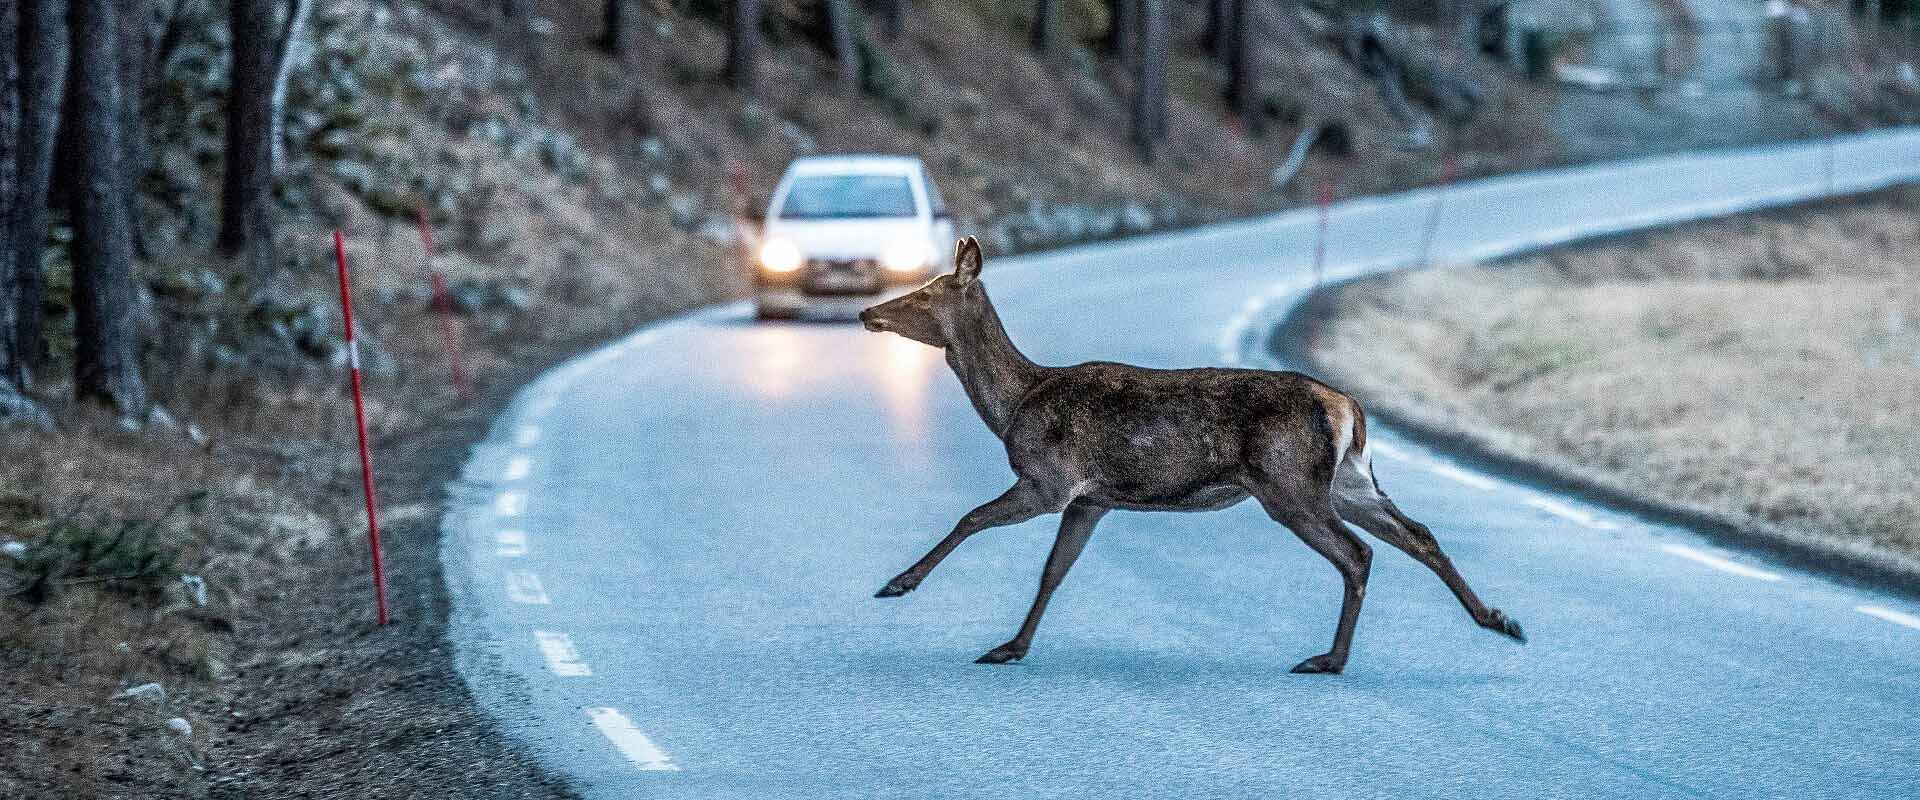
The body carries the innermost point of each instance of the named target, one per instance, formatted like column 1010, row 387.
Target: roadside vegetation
column 1761, row 370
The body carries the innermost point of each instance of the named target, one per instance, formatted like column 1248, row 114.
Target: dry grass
column 1763, row 368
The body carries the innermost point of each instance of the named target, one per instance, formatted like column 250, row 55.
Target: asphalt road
column 663, row 562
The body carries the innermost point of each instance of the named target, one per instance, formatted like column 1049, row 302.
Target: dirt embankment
column 1760, row 371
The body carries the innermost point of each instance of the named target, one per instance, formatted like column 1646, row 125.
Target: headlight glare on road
column 907, row 255
column 780, row 255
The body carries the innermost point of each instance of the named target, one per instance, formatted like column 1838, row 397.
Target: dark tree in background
column 133, row 122
column 840, row 23
column 1041, row 35
column 1123, row 24
column 1213, row 38
column 1150, row 82
column 246, row 227
column 9, row 196
column 613, row 32
column 889, row 13
column 43, row 79
column 743, row 44
column 106, row 359
column 1241, row 79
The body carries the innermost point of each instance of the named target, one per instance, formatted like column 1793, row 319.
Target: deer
column 1084, row 440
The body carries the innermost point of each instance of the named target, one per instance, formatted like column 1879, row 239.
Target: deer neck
column 994, row 372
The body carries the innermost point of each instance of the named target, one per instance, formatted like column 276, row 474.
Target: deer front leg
column 1018, row 504
column 1076, row 527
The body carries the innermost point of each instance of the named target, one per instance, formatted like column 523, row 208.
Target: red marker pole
column 443, row 307
column 1325, row 200
column 1433, row 216
column 360, row 424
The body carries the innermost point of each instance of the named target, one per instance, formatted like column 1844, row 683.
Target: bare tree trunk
column 743, row 45
column 1149, row 92
column 43, row 80
column 613, row 33
column 10, row 369
column 1041, row 35
column 292, row 44
column 106, row 355
column 134, row 41
column 845, row 50
column 1242, row 82
column 890, row 13
column 1123, row 23
column 1219, row 28
column 519, row 10
column 246, row 227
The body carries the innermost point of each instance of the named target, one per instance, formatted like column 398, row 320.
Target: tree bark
column 106, row 355
column 1040, row 37
column 890, row 13
column 743, row 45
column 1242, row 82
column 1219, row 28
column 613, row 33
column 1149, row 92
column 845, row 47
column 10, row 370
column 290, row 44
column 246, row 227
column 1123, row 23
column 43, row 80
column 135, row 149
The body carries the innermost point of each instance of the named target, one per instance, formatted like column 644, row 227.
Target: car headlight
column 907, row 255
column 780, row 255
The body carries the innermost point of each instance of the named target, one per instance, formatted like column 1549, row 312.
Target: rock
column 180, row 726
column 146, row 692
column 685, row 210
column 14, row 550
column 658, row 184
column 719, row 229
column 196, row 589
column 512, row 298
column 1135, row 217
column 798, row 138
column 652, row 148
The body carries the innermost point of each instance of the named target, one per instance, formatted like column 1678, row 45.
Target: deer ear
column 966, row 260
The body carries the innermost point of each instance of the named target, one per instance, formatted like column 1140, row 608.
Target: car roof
column 854, row 164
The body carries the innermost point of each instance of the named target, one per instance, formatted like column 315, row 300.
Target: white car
column 844, row 231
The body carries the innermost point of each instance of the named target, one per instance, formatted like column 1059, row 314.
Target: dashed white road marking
column 630, row 741
column 517, row 468
column 1568, row 512
column 1890, row 615
column 510, row 503
column 562, row 659
column 1461, row 476
column 524, row 587
column 510, row 543
column 526, row 435
column 1719, row 563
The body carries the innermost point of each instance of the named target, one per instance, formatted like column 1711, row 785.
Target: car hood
column 846, row 238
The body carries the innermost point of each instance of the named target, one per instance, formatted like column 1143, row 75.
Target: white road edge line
column 524, row 587
column 1890, row 615
column 1719, row 563
column 526, row 435
column 510, row 503
column 630, row 741
column 562, row 659
column 1567, row 512
column 517, row 468
column 510, row 543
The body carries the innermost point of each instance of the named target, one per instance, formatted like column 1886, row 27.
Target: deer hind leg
column 1358, row 499
column 1309, row 514
column 1076, row 527
column 1021, row 503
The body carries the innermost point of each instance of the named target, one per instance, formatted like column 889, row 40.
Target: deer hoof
column 1506, row 626
column 896, row 587
column 1322, row 664
column 1002, row 654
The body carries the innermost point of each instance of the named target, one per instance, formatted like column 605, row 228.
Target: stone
column 180, row 726
column 146, row 692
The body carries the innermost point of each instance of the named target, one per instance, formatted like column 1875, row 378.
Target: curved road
column 663, row 562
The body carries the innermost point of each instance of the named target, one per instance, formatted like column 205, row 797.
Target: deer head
column 934, row 313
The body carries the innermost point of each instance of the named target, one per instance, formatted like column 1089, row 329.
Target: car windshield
column 848, row 197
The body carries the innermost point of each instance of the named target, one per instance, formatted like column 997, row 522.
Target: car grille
column 843, row 276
